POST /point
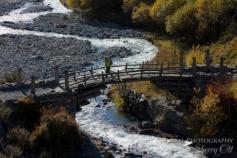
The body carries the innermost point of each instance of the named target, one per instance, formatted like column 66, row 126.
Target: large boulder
column 136, row 104
column 3, row 129
column 168, row 119
column 146, row 125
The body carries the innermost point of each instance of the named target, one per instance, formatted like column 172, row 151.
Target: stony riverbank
column 73, row 24
column 38, row 55
column 7, row 6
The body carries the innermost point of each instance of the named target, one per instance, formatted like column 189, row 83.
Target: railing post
column 194, row 67
column 32, row 87
column 85, row 79
column 208, row 60
column 161, row 69
column 66, row 80
column 118, row 74
column 92, row 72
column 126, row 67
column 181, row 63
column 168, row 65
column 103, row 77
column 75, row 76
column 19, row 76
column 142, row 70
column 157, row 65
column 221, row 65
column 78, row 107
column 56, row 74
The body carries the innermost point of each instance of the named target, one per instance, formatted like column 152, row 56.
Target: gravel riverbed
column 37, row 55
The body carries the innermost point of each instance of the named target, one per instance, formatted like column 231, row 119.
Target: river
column 105, row 122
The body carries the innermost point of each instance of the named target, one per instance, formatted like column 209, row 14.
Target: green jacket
column 108, row 62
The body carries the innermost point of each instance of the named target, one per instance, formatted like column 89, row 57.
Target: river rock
column 98, row 105
column 132, row 155
column 168, row 119
column 39, row 55
column 38, row 7
column 3, row 129
column 75, row 25
column 146, row 125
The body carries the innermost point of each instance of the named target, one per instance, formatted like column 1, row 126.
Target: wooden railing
column 72, row 79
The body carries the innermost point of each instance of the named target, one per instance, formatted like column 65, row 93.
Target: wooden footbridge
column 95, row 78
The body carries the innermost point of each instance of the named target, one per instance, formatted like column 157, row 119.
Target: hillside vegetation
column 199, row 24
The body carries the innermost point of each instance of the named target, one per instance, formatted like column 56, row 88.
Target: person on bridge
column 108, row 63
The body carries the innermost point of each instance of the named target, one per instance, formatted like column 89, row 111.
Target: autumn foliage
column 215, row 113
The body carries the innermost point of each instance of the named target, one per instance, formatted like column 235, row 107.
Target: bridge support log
column 194, row 67
column 118, row 74
column 208, row 60
column 92, row 72
column 66, row 80
column 103, row 77
column 19, row 76
column 85, row 79
column 126, row 67
column 142, row 67
column 56, row 74
column 161, row 69
column 221, row 65
column 32, row 87
column 181, row 63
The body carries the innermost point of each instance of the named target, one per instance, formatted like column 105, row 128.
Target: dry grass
column 116, row 97
column 216, row 112
column 167, row 49
column 228, row 50
column 196, row 52
column 145, row 87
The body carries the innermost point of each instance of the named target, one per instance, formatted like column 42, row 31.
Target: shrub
column 198, row 53
column 2, row 155
column 27, row 113
column 13, row 151
column 10, row 77
column 128, row 5
column 58, row 134
column 19, row 137
column 5, row 112
column 216, row 114
column 100, row 9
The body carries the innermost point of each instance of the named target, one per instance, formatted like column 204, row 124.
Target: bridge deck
column 73, row 80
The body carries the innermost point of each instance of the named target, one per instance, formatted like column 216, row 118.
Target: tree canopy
column 199, row 20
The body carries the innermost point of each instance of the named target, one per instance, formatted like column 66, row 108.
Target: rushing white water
column 17, row 16
column 57, row 6
column 105, row 123
column 102, row 122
